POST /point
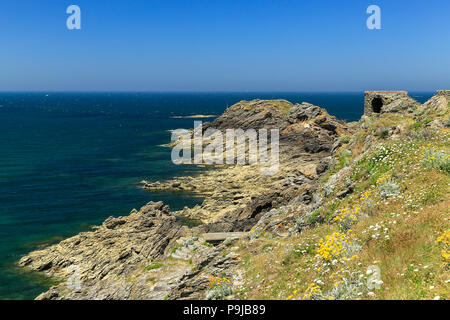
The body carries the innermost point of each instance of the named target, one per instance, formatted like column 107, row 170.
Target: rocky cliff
column 311, row 230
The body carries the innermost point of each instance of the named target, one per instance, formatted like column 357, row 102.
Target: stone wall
column 375, row 101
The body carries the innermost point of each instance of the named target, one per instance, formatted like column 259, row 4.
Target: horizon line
column 199, row 91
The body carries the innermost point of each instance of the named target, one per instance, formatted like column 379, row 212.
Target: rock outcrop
column 308, row 135
column 121, row 258
column 113, row 249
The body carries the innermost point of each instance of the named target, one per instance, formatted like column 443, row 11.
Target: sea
column 69, row 160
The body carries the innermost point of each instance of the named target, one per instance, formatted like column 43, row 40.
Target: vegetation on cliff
column 382, row 229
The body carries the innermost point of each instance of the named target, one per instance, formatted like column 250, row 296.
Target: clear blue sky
column 226, row 45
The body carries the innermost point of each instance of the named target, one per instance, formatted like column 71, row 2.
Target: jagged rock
column 255, row 114
column 309, row 170
column 402, row 104
column 112, row 223
column 302, row 112
column 345, row 192
column 438, row 103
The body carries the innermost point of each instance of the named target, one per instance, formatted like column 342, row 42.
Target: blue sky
column 215, row 45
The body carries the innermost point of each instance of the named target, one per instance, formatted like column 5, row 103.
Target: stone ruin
column 395, row 101
column 376, row 101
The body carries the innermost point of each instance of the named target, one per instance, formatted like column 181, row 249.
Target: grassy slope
column 390, row 222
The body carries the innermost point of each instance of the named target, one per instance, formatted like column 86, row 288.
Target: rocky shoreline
column 236, row 197
column 152, row 254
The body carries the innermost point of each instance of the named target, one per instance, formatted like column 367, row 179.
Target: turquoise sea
column 70, row 160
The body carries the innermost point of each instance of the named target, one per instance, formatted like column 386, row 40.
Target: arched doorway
column 377, row 104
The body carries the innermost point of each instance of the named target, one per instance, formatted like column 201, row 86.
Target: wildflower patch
column 444, row 239
column 437, row 158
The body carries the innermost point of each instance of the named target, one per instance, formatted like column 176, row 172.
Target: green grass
column 174, row 249
column 154, row 266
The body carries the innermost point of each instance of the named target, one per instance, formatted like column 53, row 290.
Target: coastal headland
column 307, row 231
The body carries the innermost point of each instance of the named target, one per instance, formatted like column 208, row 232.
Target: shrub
column 388, row 188
column 347, row 217
column 346, row 224
column 416, row 126
column 437, row 159
column 219, row 288
column 306, row 220
column 347, row 289
column 345, row 139
column 328, row 190
column 383, row 133
column 345, row 154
